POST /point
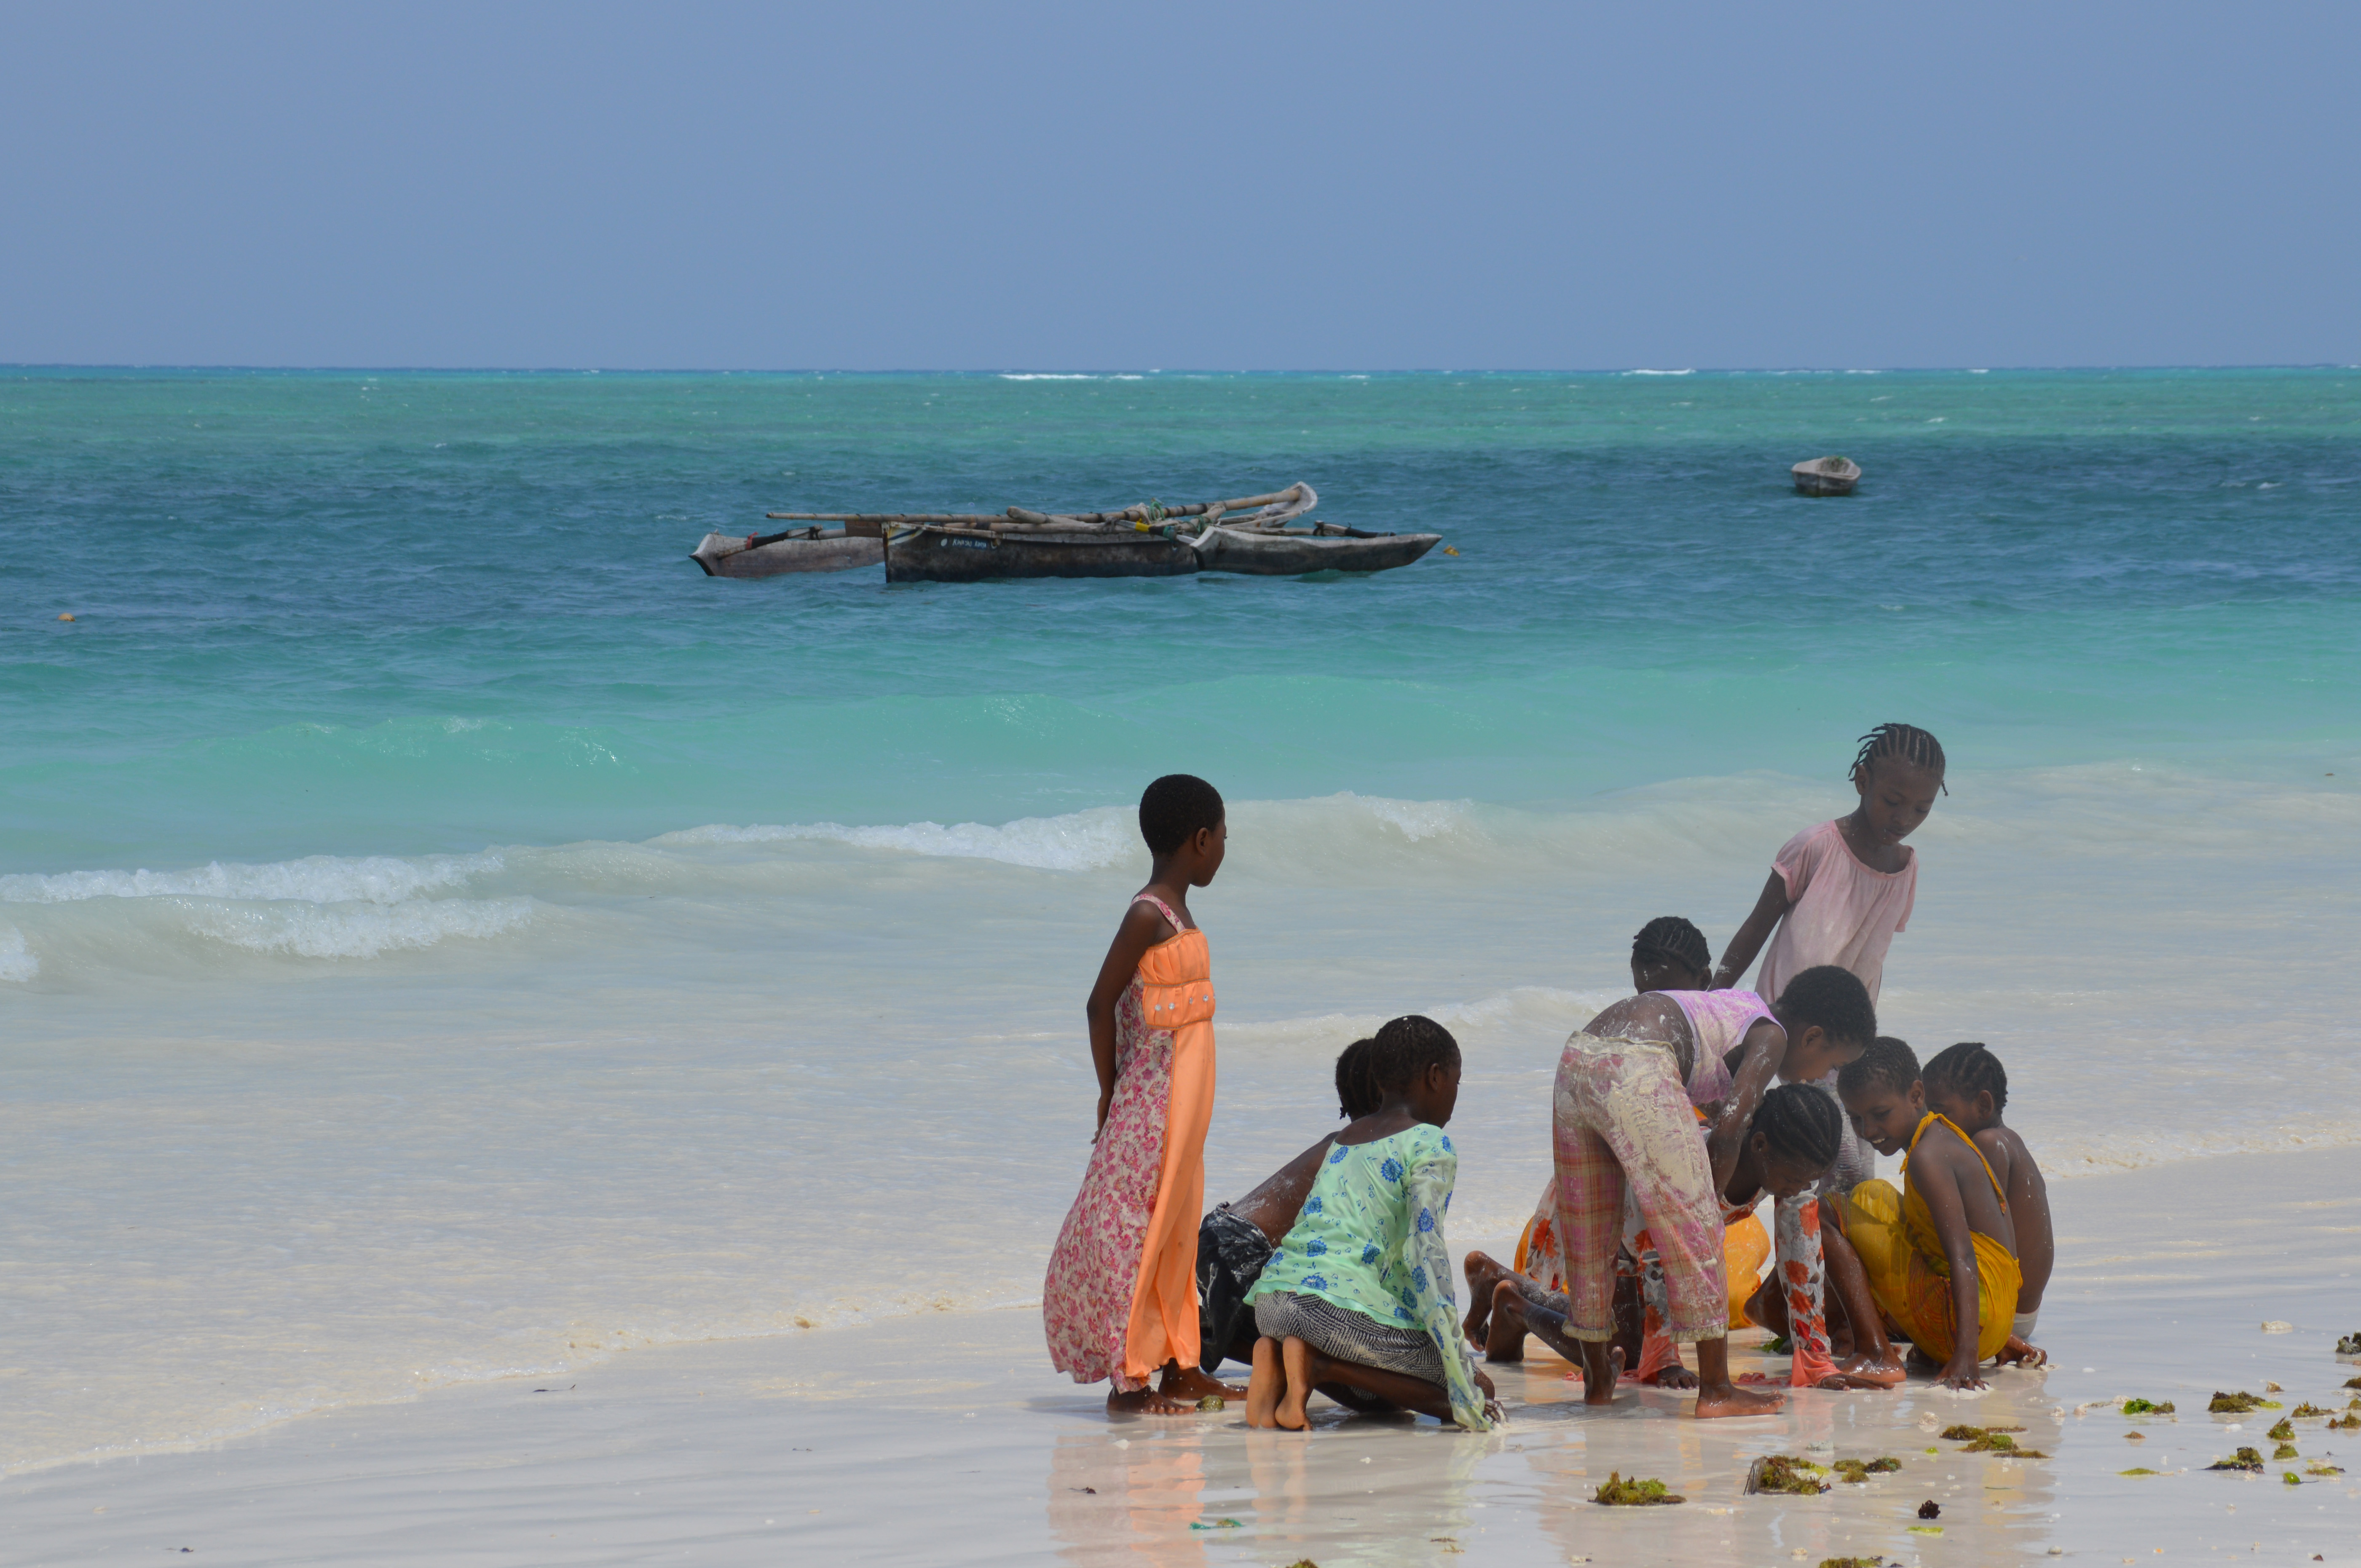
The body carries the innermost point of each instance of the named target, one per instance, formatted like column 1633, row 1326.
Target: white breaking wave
column 1044, row 376
column 1689, row 372
column 16, row 964
column 353, row 930
column 1083, row 841
column 318, row 879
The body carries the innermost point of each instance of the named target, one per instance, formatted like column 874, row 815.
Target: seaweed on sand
column 2305, row 1411
column 2285, row 1450
column 2317, row 1468
column 2146, row 1408
column 2239, row 1403
column 2139, row 1470
column 1852, row 1563
column 1858, row 1471
column 2350, row 1423
column 2281, row 1431
column 2001, row 1443
column 1617, row 1493
column 1786, row 1473
column 1969, row 1434
column 2244, row 1459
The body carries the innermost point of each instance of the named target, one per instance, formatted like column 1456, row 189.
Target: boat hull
column 725, row 555
column 1813, row 479
column 933, row 557
column 1295, row 554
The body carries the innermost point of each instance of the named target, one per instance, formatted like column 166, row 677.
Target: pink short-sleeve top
column 1841, row 911
column 1720, row 1020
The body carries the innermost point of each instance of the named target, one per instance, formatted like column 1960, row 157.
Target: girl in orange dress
column 1120, row 1301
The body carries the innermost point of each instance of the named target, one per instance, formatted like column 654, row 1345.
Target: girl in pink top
column 1839, row 892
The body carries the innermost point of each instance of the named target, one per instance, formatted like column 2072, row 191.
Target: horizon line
column 11, row 367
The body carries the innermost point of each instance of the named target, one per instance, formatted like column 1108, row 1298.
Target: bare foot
column 1504, row 1338
column 1482, row 1270
column 1296, row 1357
column 1674, row 1376
column 1191, row 1383
column 1600, row 1391
column 1876, row 1371
column 2016, row 1352
column 1729, row 1399
column 1145, row 1402
column 1269, row 1382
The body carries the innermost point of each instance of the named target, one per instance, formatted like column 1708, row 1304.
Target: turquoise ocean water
column 441, row 932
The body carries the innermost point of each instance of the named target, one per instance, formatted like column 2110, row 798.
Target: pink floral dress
column 1120, row 1299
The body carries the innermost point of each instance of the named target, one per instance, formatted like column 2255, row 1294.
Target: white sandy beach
column 947, row 1439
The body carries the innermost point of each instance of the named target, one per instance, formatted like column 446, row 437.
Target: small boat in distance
column 1249, row 535
column 1826, row 476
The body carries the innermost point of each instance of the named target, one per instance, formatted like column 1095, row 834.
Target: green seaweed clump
column 2305, row 1411
column 1217, row 1524
column 1970, row 1435
column 2280, row 1431
column 1852, row 1563
column 2350, row 1423
column 2352, row 1382
column 1617, row 1493
column 2317, row 1468
column 1997, row 1442
column 2244, row 1459
column 1212, row 1402
column 2139, row 1407
column 2239, row 1403
column 1858, row 1471
column 1786, row 1473
column 2291, row 1478
column 2349, row 1345
column 2140, row 1470
column 2285, row 1450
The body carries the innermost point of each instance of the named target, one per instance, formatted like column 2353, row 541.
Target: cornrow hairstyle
column 1801, row 1123
column 1357, row 1080
column 1888, row 1062
column 1833, row 998
column 1906, row 742
column 1174, row 807
column 1670, row 936
column 1972, row 1069
column 1408, row 1047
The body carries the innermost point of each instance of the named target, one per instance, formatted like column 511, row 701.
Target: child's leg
column 1590, row 1203
column 1873, row 1360
column 1802, row 1279
column 1653, row 1139
column 1307, row 1368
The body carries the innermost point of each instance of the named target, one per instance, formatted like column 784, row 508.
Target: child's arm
column 2029, row 1205
column 1769, row 909
column 1758, row 1056
column 1947, row 1206
column 1142, row 928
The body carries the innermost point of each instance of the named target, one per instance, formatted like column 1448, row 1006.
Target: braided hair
column 1357, row 1080
column 1670, row 936
column 1971, row 1068
column 1407, row 1048
column 1906, row 742
column 1802, row 1123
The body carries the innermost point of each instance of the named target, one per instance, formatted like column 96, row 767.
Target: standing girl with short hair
column 1120, row 1301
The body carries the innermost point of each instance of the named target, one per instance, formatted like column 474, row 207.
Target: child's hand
column 1106, row 1099
column 1485, row 1384
column 1963, row 1374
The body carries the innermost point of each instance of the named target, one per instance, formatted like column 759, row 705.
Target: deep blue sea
column 443, row 933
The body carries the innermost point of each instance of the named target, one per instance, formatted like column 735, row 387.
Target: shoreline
column 729, row 1450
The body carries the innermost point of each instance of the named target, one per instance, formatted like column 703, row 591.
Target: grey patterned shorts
column 1347, row 1335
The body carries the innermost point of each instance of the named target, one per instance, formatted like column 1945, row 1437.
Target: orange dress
column 1120, row 1299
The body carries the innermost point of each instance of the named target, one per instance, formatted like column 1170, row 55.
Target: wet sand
column 947, row 1439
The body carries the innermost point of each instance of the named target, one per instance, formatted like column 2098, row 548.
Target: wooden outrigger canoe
column 798, row 550
column 1826, row 476
column 1249, row 534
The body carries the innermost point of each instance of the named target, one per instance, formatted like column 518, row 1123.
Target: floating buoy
column 65, row 617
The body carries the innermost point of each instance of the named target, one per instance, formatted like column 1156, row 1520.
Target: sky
column 1213, row 186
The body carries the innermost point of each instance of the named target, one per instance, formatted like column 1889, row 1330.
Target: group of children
column 1674, row 1113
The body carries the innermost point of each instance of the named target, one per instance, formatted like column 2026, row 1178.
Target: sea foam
column 319, row 879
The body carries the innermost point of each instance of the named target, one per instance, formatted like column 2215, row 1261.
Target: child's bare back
column 2029, row 1210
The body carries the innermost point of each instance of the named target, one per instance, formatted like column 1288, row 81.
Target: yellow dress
column 1908, row 1273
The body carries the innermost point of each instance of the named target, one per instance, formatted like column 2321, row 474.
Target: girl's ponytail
column 1802, row 1123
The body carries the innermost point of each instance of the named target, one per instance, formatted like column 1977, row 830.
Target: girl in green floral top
column 1357, row 1301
